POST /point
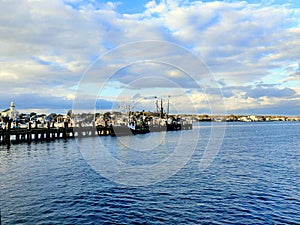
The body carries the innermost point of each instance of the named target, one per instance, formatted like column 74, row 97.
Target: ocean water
column 253, row 178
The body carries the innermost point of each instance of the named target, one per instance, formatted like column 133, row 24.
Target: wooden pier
column 34, row 134
column 48, row 133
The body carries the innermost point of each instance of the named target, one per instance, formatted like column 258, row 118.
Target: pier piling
column 7, row 136
column 48, row 131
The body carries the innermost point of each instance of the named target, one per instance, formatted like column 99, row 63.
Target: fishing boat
column 137, row 123
column 121, row 130
column 166, row 122
column 139, row 129
column 134, row 124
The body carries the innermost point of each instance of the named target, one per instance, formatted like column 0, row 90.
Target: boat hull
column 126, row 131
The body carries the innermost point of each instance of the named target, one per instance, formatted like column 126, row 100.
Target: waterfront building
column 11, row 112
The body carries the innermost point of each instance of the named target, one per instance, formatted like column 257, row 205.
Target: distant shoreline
column 244, row 118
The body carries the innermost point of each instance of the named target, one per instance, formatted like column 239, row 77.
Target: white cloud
column 239, row 35
column 48, row 44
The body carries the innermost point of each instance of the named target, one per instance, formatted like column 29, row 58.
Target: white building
column 11, row 113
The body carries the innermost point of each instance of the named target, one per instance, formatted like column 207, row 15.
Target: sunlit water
column 254, row 179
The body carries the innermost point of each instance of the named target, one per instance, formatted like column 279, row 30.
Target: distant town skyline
column 251, row 48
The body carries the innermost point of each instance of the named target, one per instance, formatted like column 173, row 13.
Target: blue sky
column 247, row 52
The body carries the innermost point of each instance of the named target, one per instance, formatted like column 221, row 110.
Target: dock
column 33, row 133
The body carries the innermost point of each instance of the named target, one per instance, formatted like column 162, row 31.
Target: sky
column 207, row 57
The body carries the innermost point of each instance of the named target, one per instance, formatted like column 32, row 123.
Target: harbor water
column 253, row 179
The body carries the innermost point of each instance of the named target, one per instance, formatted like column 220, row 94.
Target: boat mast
column 161, row 108
column 156, row 103
column 168, row 106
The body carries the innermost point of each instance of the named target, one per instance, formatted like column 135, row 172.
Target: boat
column 134, row 124
column 139, row 128
column 166, row 122
column 138, row 123
column 120, row 130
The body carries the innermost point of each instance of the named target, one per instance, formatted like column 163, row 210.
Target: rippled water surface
column 254, row 179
